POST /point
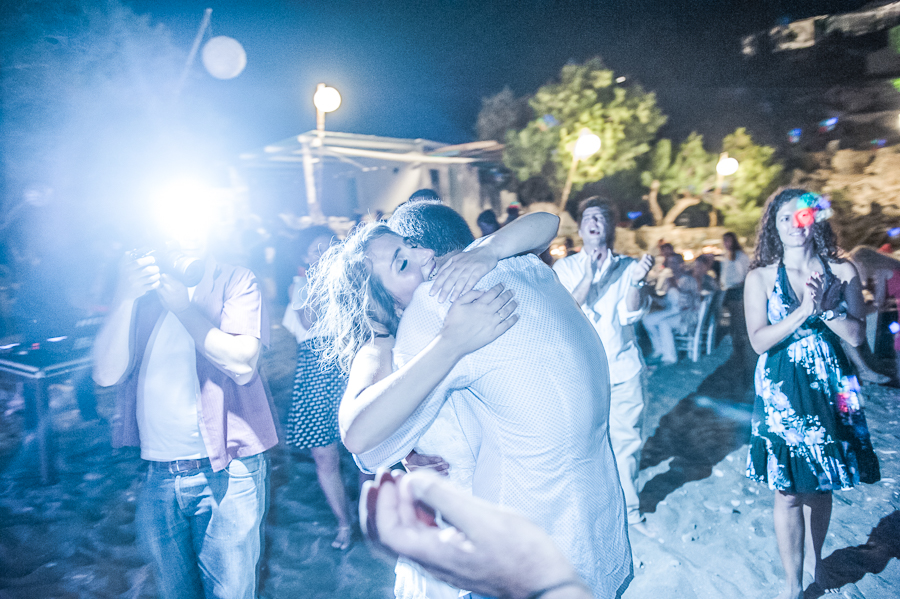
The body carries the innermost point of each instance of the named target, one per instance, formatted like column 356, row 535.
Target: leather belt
column 182, row 466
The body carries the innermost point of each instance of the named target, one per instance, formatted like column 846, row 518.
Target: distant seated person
column 680, row 301
column 660, row 272
column 701, row 269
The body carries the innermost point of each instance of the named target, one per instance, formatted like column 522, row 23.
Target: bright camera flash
column 184, row 211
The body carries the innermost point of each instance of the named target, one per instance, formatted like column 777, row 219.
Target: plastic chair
column 715, row 314
column 703, row 336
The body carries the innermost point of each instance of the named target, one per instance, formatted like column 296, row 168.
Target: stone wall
column 865, row 189
column 862, row 177
column 644, row 240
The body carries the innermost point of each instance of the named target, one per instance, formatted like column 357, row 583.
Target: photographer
column 184, row 360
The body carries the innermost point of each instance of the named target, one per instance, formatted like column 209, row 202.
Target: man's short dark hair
column 607, row 213
column 424, row 195
column 434, row 226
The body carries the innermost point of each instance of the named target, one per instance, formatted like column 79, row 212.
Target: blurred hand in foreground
column 488, row 550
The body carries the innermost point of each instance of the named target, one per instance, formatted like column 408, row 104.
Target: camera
column 188, row 270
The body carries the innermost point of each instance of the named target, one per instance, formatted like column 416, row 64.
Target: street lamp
column 726, row 167
column 326, row 99
column 587, row 144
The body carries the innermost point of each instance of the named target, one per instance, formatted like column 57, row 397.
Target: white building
column 348, row 175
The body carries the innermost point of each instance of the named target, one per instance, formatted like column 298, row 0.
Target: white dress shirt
column 608, row 311
column 735, row 271
column 446, row 438
column 538, row 408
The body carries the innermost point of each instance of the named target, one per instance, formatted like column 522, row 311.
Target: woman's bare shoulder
column 373, row 350
column 763, row 275
column 371, row 361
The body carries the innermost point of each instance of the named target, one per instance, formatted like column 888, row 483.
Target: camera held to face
column 187, row 269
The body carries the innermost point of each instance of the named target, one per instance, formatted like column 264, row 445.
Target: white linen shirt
column 537, row 404
column 610, row 315
column 735, row 271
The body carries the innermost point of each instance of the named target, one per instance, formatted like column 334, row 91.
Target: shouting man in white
column 608, row 287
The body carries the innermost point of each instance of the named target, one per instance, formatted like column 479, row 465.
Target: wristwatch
column 639, row 284
column 831, row 315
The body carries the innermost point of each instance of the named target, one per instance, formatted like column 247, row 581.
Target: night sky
column 420, row 69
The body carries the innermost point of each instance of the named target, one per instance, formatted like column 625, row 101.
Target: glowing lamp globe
column 727, row 167
column 327, row 99
column 224, row 57
column 587, row 145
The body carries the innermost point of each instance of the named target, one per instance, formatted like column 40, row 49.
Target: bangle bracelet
column 832, row 315
column 558, row 585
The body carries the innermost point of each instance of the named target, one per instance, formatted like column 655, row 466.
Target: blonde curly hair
column 350, row 301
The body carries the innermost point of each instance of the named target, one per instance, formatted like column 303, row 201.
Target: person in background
column 487, row 222
column 680, row 300
column 609, row 289
column 700, row 270
column 512, row 213
column 881, row 274
column 808, row 430
column 312, row 421
column 734, row 268
column 660, row 272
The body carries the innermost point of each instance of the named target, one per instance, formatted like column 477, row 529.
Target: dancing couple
column 483, row 358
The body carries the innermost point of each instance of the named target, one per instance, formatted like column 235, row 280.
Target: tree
column 500, row 113
column 691, row 175
column 686, row 178
column 756, row 178
column 625, row 118
column 660, row 162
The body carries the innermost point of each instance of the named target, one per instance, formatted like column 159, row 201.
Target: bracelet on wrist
column 559, row 585
column 639, row 284
column 828, row 315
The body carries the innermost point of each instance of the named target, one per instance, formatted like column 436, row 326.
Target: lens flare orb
column 224, row 57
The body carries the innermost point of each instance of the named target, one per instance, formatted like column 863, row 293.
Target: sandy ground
column 76, row 538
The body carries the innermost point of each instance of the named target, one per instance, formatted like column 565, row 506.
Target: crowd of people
column 423, row 346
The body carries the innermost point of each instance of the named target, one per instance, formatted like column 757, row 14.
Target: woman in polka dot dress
column 312, row 421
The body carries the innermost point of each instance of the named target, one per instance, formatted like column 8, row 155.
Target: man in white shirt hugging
column 608, row 287
column 526, row 419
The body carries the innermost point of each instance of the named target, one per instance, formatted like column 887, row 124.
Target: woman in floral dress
column 809, row 436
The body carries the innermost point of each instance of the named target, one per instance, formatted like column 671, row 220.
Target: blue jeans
column 202, row 528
